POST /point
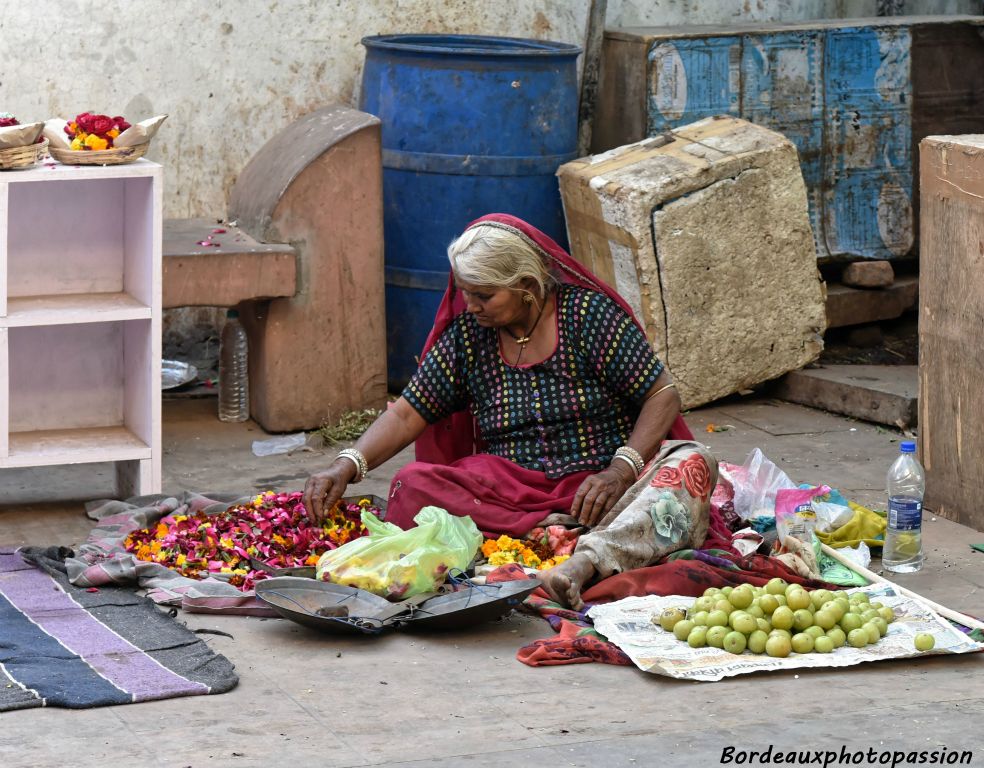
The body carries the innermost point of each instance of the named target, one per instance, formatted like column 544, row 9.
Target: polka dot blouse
column 565, row 414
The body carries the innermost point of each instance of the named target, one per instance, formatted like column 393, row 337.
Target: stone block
column 856, row 306
column 705, row 232
column 884, row 394
column 868, row 274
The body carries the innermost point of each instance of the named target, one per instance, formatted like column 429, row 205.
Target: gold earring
column 528, row 297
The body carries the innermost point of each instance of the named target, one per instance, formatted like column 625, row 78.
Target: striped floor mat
column 63, row 646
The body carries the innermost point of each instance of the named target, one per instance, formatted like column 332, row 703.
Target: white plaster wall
column 230, row 73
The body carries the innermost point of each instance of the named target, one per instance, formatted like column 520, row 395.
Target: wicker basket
column 115, row 156
column 22, row 157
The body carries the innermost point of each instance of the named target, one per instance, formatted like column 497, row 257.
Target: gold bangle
column 662, row 389
column 633, row 456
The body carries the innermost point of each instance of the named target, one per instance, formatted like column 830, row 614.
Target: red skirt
column 499, row 495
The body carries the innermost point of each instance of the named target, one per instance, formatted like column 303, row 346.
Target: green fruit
column 874, row 635
column 705, row 603
column 755, row 611
column 802, row 643
column 776, row 586
column 697, row 637
column 764, row 624
column 882, row 625
column 924, row 641
column 781, row 599
column 734, row 642
column 768, row 604
column 741, row 597
column 726, row 591
column 860, row 597
column 802, row 619
column 834, row 609
column 669, row 618
column 712, row 592
column 757, row 641
column 824, row 618
column 724, row 605
column 743, row 622
column 886, row 613
column 836, row 634
column 715, row 636
column 798, row 599
column 857, row 638
column 850, row 622
column 790, row 588
column 814, row 631
column 820, row 597
column 683, row 628
column 700, row 618
column 717, row 618
column 823, row 644
column 778, row 647
column 781, row 633
column 782, row 618
column 868, row 615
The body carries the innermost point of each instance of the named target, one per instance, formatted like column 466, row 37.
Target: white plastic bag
column 756, row 484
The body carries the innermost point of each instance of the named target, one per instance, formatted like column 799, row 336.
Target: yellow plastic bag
column 397, row 564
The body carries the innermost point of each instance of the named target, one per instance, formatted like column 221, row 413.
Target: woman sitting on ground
column 538, row 401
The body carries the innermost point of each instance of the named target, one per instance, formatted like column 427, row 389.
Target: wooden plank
column 951, row 316
column 72, row 308
column 238, row 269
column 74, row 446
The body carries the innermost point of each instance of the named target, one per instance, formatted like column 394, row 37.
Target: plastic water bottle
column 233, row 370
column 903, row 552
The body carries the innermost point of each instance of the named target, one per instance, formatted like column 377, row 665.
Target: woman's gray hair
column 495, row 256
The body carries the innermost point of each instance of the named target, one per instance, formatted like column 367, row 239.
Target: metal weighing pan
column 325, row 606
column 469, row 606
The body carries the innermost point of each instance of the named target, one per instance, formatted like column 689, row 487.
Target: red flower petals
column 273, row 529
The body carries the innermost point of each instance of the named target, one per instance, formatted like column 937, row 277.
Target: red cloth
column 456, row 436
column 499, row 495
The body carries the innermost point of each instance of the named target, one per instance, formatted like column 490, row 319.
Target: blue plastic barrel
column 470, row 125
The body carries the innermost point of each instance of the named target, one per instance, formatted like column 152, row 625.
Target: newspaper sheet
column 628, row 623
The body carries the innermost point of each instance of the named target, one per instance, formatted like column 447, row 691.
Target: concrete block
column 868, row 274
column 884, row 394
column 705, row 233
column 856, row 306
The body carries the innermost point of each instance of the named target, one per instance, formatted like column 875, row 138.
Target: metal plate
column 324, row 606
column 175, row 373
column 469, row 606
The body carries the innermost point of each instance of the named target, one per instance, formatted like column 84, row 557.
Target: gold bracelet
column 357, row 458
column 662, row 389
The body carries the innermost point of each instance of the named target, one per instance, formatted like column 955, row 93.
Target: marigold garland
column 273, row 529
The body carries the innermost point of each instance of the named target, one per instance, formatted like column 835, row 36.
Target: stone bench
column 304, row 267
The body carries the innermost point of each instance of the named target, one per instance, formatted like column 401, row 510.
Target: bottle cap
column 908, row 447
column 232, row 313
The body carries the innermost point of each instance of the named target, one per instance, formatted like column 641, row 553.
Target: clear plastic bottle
column 903, row 551
column 233, row 370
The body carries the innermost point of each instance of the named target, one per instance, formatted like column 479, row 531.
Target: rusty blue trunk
column 841, row 94
column 470, row 125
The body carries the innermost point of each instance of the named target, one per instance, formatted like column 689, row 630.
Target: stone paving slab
column 461, row 699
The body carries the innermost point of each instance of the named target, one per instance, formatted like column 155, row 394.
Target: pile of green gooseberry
column 778, row 619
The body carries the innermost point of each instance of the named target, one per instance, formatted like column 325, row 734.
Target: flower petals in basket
column 100, row 140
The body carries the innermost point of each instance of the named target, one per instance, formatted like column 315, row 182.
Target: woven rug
column 65, row 646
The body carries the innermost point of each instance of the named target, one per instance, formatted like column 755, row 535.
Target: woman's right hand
column 324, row 488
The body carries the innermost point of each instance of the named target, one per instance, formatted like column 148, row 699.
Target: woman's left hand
column 599, row 493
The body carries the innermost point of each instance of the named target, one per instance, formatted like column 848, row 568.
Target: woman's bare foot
column 564, row 582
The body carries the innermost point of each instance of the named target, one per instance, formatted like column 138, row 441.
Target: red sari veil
column 455, row 437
